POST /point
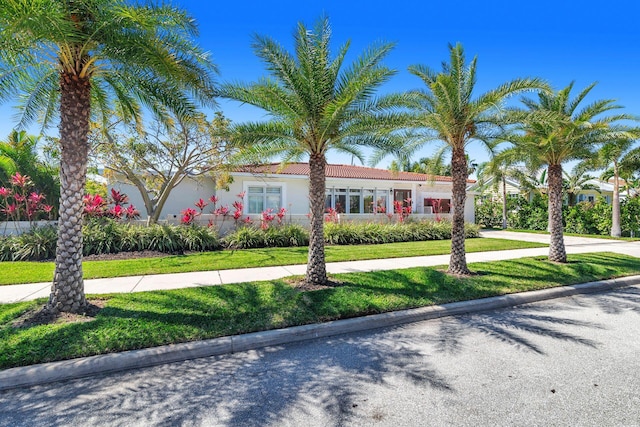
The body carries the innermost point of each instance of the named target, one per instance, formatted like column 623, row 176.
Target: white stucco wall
column 295, row 193
column 182, row 197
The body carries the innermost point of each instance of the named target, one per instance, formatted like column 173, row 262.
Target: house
column 592, row 189
column 355, row 192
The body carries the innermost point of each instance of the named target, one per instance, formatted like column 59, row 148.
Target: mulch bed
column 41, row 316
column 303, row 286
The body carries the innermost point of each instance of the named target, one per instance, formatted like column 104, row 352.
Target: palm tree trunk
column 316, row 267
column 616, row 229
column 557, row 251
column 67, row 290
column 458, row 260
column 504, row 203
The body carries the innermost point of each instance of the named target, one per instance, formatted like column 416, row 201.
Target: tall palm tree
column 314, row 105
column 555, row 130
column 447, row 110
column 77, row 57
column 614, row 155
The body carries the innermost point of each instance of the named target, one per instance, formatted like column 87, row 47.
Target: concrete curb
column 114, row 362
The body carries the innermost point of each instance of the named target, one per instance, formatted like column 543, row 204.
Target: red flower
column 201, row 204
column 214, row 199
column 10, row 209
column 237, row 215
column 20, row 180
column 19, row 198
column 117, row 211
column 5, row 192
column 131, row 212
column 118, row 198
column 241, row 194
column 188, row 216
column 222, row 211
column 35, row 198
column 47, row 208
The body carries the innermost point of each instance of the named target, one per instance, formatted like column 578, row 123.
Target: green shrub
column 488, row 213
column 197, row 238
column 526, row 215
column 630, row 216
column 253, row 237
column 355, row 233
column 37, row 244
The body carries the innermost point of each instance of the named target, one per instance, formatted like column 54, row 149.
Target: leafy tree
column 553, row 131
column 315, row 105
column 446, row 110
column 77, row 58
column 158, row 160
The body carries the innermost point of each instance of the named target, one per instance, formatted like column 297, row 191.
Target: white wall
column 295, row 193
column 182, row 197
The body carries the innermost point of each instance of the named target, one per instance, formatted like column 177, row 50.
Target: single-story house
column 354, row 192
column 594, row 188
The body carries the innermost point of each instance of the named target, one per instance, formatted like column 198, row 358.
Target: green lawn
column 146, row 319
column 595, row 236
column 33, row 272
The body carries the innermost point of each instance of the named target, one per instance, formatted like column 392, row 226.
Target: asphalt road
column 573, row 361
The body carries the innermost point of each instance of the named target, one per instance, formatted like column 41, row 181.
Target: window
column 354, row 201
column 438, row 205
column 368, row 197
column 260, row 198
column 340, row 200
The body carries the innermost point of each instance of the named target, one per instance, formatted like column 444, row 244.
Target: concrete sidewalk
column 26, row 292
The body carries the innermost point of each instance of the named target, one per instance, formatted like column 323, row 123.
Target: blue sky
column 559, row 41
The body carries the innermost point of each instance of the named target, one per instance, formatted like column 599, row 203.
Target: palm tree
column 554, row 131
column 576, row 181
column 614, row 154
column 77, row 57
column 448, row 111
column 497, row 171
column 314, row 105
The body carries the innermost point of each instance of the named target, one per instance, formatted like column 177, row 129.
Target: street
column 573, row 361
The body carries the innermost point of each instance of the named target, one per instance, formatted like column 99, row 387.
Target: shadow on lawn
column 328, row 379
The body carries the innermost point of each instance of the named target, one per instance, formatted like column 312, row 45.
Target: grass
column 147, row 319
column 34, row 272
column 595, row 236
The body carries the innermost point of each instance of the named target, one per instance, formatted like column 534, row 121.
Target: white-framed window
column 356, row 200
column 261, row 196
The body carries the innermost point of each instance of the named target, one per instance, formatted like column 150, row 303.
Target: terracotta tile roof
column 343, row 171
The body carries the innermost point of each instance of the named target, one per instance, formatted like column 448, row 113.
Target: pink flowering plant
column 19, row 202
column 96, row 206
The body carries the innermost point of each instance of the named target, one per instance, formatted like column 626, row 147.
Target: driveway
column 572, row 361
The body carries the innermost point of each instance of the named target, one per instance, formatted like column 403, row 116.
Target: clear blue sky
column 559, row 41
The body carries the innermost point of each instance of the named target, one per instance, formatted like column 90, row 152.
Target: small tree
column 157, row 161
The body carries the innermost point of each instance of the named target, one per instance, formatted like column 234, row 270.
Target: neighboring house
column 488, row 189
column 598, row 188
column 355, row 192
